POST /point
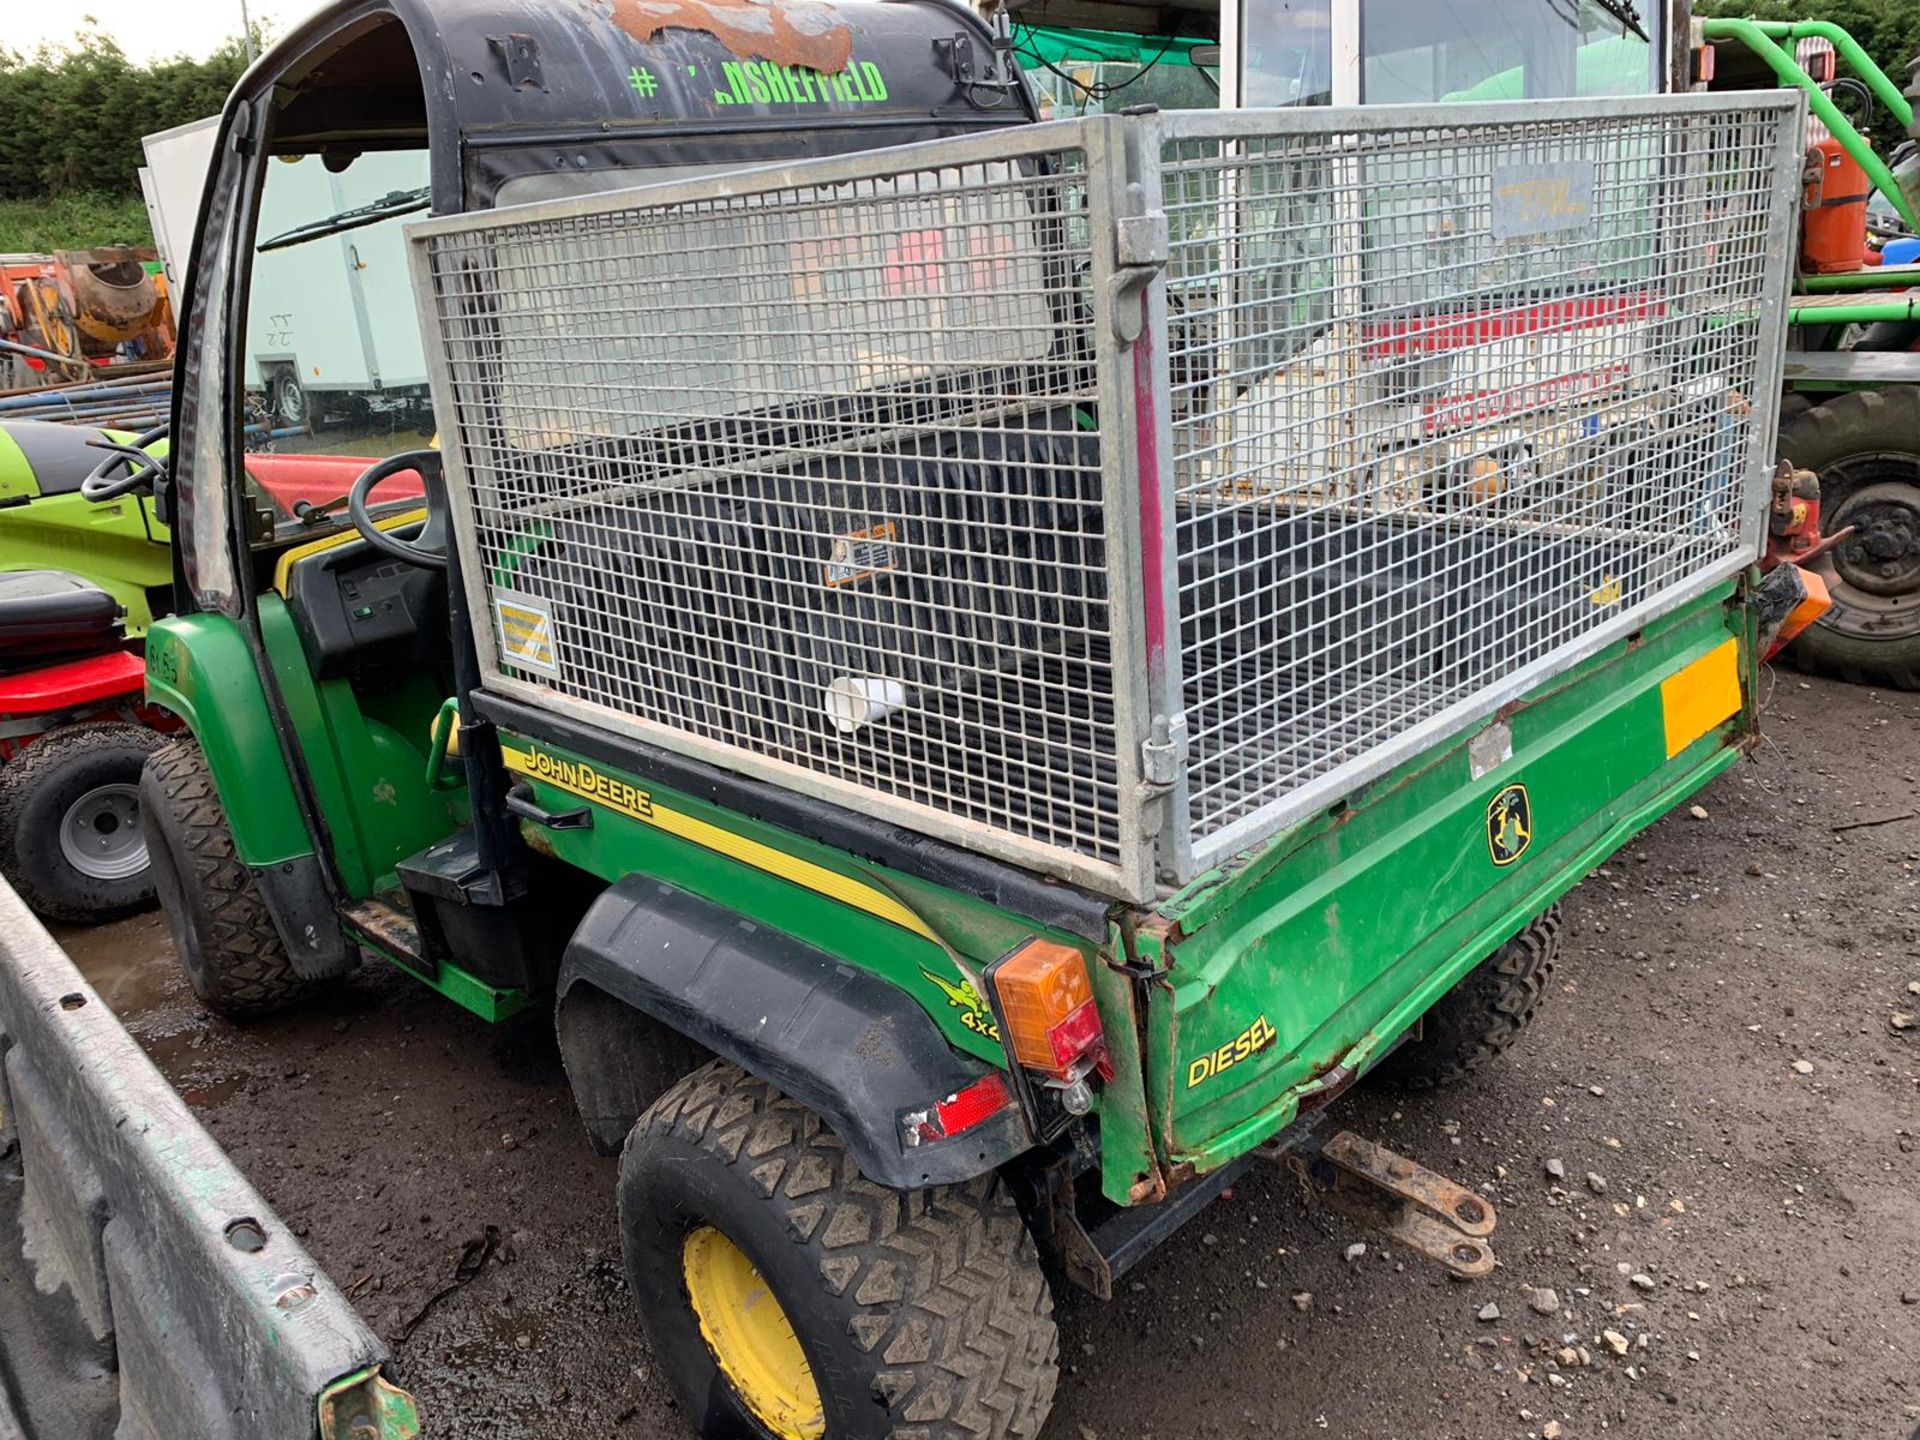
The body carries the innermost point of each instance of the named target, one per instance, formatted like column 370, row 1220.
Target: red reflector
column 986, row 1097
column 959, row 1112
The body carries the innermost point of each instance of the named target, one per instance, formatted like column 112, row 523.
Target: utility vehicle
column 986, row 671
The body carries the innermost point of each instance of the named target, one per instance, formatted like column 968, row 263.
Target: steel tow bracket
column 1411, row 1205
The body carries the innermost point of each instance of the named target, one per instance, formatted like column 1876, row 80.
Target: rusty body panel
column 552, row 92
column 816, row 36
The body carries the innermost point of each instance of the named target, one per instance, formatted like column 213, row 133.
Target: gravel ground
column 1719, row 1076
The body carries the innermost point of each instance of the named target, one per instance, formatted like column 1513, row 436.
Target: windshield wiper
column 399, row 202
column 1623, row 11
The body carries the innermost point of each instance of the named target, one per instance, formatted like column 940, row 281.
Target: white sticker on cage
column 1542, row 199
column 860, row 554
column 525, row 627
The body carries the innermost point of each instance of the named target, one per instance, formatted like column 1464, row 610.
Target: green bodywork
column 963, row 931
column 1341, row 933
column 366, row 759
column 118, row 546
column 1315, row 951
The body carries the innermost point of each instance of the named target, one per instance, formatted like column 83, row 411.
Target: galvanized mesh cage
column 811, row 472
column 1447, row 398
column 964, row 482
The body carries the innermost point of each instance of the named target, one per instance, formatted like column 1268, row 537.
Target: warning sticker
column 860, row 554
column 525, row 627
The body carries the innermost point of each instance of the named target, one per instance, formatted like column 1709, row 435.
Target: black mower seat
column 51, row 612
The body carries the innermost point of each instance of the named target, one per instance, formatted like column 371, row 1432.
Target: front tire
column 1483, row 1014
column 221, row 928
column 882, row 1313
column 70, row 835
column 1865, row 447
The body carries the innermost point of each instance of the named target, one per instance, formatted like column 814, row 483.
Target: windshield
column 1289, row 50
column 335, row 371
column 1462, row 50
column 1422, row 51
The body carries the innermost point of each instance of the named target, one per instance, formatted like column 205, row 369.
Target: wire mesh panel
column 960, row 482
column 1453, row 399
column 801, row 470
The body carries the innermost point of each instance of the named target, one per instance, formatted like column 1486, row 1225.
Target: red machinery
column 74, row 733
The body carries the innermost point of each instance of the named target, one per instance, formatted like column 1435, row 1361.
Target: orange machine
column 1833, row 224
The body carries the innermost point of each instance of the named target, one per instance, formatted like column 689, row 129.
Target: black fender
column 859, row 1052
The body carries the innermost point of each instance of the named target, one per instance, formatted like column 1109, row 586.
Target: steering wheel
column 428, row 549
column 103, row 484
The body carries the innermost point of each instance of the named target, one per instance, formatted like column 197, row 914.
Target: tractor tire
column 221, row 929
column 1483, row 1014
column 70, row 835
column 886, row 1313
column 1865, row 447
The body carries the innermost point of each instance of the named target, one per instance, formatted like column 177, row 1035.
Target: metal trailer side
column 165, row 1299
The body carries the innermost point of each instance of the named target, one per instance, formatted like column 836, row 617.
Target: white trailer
column 171, row 181
column 323, row 340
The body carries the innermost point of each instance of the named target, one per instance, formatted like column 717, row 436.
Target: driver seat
column 44, row 613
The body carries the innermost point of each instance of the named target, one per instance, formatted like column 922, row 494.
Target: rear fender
column 858, row 1051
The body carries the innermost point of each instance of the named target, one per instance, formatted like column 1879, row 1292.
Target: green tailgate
column 1303, row 964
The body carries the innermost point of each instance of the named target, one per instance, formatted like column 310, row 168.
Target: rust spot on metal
column 1147, row 1190
column 1411, row 1205
column 1333, row 1083
column 796, row 33
column 1414, row 1183
column 1164, row 928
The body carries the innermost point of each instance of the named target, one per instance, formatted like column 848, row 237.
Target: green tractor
column 980, row 710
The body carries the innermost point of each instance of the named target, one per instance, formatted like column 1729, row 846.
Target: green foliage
column 76, row 221
column 1888, row 30
column 71, row 119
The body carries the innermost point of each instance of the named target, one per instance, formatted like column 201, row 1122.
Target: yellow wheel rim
column 751, row 1338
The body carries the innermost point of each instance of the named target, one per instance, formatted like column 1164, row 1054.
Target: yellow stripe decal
column 576, row 777
column 283, row 568
column 1700, row 696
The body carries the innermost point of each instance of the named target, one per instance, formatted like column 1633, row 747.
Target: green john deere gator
column 985, row 670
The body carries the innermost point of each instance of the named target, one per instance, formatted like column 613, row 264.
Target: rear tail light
column 1047, row 1012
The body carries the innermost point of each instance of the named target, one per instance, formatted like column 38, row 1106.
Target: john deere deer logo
column 1509, row 825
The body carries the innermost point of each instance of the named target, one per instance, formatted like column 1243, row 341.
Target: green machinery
column 985, row 681
column 45, row 523
column 1852, row 417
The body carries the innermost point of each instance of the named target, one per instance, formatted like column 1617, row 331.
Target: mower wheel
column 788, row 1298
column 70, row 836
column 1865, row 447
column 1483, row 1014
column 221, row 929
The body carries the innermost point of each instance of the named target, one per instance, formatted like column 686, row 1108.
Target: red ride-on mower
column 74, row 732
